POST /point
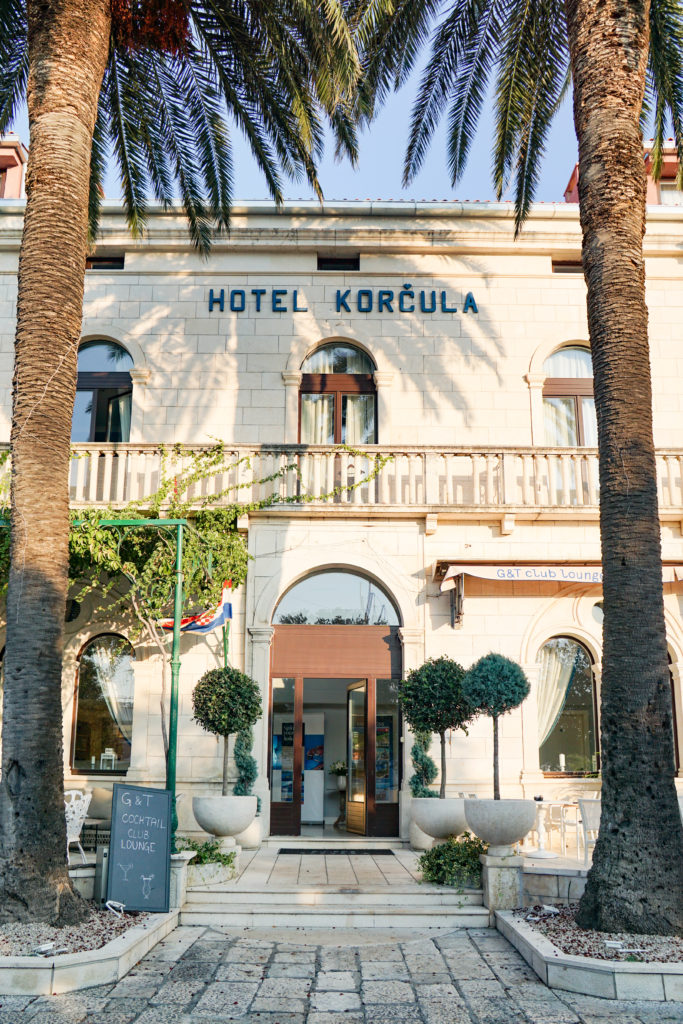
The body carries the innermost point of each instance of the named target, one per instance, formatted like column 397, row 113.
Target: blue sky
column 382, row 146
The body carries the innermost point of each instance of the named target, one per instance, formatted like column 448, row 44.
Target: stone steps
column 335, row 907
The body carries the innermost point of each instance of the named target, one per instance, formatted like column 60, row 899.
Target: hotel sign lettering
column 347, row 300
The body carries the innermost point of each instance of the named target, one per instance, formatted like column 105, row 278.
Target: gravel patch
column 558, row 925
column 97, row 929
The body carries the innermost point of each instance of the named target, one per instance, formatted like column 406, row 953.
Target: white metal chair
column 589, row 812
column 76, row 804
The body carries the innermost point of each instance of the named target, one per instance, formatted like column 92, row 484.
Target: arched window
column 568, row 403
column 567, row 711
column 338, row 401
column 104, row 393
column 336, row 598
column 103, row 716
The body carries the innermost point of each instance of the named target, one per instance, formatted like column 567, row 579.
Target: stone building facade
column 424, row 332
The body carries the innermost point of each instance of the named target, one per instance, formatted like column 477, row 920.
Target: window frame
column 596, row 707
column 571, row 387
column 119, row 381
column 104, row 772
column 339, row 385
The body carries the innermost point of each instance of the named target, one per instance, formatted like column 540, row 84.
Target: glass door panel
column 285, row 771
column 317, row 419
column 387, row 738
column 356, row 791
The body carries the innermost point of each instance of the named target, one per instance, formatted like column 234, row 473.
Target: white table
column 540, row 853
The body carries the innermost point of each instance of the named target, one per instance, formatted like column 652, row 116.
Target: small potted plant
column 495, row 685
column 210, row 866
column 432, row 700
column 225, row 702
column 340, row 770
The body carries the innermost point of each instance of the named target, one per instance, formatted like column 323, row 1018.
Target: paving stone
column 335, row 1001
column 295, row 957
column 369, row 954
column 205, row 951
column 439, row 1011
column 336, row 981
column 496, row 1010
column 239, row 956
column 387, row 992
column 285, row 988
column 384, row 970
column 194, row 970
column 45, row 1017
column 469, row 968
column 227, row 998
column 138, row 986
column 105, row 1018
column 482, row 989
column 240, row 972
column 179, row 992
column 162, row 1015
column 148, row 966
column 338, row 961
column 436, row 992
column 433, row 978
column 424, row 962
column 126, row 1005
column 273, row 1004
column 316, row 1017
column 291, row 971
column 397, row 1014
column 16, row 1003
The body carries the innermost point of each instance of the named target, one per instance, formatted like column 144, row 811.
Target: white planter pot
column 341, row 783
column 500, row 823
column 419, row 840
column 210, row 874
column 439, row 818
column 250, row 839
column 224, row 816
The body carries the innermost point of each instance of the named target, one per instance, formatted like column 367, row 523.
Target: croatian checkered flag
column 207, row 621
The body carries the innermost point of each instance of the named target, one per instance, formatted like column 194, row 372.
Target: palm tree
column 153, row 80
column 614, row 54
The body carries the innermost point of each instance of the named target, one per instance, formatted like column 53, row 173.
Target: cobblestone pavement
column 296, row 976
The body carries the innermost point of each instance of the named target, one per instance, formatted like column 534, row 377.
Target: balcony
column 378, row 480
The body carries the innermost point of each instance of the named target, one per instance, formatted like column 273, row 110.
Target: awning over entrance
column 527, row 573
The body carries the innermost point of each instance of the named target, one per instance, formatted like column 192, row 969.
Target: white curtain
column 572, row 361
column 111, row 664
column 317, row 419
column 358, row 418
column 590, row 423
column 337, row 358
column 559, row 416
column 558, row 661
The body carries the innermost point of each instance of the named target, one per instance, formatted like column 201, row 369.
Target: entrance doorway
column 334, row 697
column 318, row 721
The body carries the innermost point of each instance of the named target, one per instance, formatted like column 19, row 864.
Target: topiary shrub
column 495, row 685
column 247, row 766
column 432, row 700
column 425, row 768
column 224, row 702
column 455, row 862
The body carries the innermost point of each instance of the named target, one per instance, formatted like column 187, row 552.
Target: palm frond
column 98, row 165
column 532, row 77
column 462, row 55
column 13, row 59
column 665, row 79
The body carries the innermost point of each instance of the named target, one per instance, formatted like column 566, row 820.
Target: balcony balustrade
column 377, row 479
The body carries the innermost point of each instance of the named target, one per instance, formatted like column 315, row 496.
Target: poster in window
column 384, row 771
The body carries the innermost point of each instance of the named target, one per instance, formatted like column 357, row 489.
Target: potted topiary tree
column 425, row 772
column 493, row 686
column 225, row 702
column 432, row 700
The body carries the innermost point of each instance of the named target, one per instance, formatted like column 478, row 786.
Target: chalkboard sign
column 140, row 848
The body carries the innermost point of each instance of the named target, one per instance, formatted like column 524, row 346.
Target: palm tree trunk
column 68, row 48
column 636, row 882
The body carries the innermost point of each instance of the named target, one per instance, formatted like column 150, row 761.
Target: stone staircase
column 336, row 907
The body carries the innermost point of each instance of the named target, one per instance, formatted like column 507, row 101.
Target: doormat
column 298, row 850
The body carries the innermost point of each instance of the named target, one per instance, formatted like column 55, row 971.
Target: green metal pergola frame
column 178, row 525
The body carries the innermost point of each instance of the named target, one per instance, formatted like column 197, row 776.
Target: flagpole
column 226, row 630
column 175, row 672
